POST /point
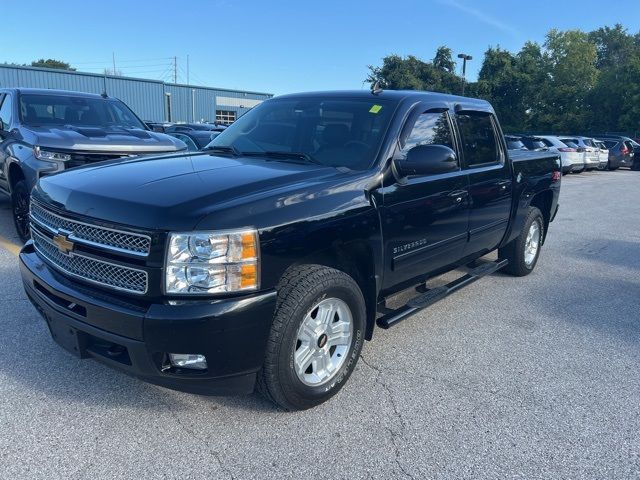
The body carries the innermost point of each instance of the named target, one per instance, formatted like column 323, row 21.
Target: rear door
column 424, row 218
column 490, row 179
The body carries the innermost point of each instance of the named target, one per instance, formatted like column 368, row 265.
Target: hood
column 112, row 139
column 175, row 192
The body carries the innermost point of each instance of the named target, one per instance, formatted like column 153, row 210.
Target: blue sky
column 282, row 46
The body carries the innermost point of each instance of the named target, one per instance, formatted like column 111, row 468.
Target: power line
column 123, row 61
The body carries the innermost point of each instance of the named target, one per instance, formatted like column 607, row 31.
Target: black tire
column 635, row 166
column 515, row 250
column 300, row 290
column 20, row 209
column 609, row 167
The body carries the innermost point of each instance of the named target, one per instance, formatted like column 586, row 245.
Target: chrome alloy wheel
column 532, row 243
column 323, row 341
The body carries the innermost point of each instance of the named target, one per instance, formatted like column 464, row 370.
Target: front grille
column 108, row 238
column 89, row 269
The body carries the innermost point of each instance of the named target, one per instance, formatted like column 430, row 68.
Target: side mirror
column 427, row 160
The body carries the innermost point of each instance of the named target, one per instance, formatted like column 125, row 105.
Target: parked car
column 514, row 143
column 591, row 155
column 47, row 131
column 587, row 148
column 194, row 139
column 570, row 154
column 534, row 143
column 603, row 155
column 623, row 151
column 268, row 259
column 189, row 127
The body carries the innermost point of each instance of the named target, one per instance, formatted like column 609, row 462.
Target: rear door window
column 479, row 139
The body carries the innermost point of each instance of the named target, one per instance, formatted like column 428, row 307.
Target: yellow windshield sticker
column 375, row 109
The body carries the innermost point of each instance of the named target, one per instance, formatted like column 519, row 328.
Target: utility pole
column 187, row 69
column 175, row 69
column 113, row 56
column 464, row 58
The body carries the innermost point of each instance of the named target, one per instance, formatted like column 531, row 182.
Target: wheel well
column 15, row 175
column 356, row 260
column 542, row 201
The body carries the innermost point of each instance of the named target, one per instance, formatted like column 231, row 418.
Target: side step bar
column 431, row 296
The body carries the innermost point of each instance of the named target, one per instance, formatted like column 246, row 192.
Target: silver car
column 571, row 155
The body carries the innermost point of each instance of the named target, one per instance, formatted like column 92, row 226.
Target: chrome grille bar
column 97, row 236
column 99, row 272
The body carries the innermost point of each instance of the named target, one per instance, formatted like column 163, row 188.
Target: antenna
column 376, row 89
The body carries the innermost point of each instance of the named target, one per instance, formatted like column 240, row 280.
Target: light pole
column 464, row 58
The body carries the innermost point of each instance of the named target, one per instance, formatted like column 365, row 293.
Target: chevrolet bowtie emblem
column 63, row 243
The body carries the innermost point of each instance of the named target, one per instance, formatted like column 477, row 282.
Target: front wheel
column 524, row 250
column 20, row 209
column 316, row 337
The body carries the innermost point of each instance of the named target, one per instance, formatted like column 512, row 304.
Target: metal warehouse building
column 152, row 100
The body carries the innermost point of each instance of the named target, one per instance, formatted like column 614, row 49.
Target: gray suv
column 47, row 131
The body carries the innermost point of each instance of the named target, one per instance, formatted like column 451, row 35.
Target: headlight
column 212, row 262
column 49, row 155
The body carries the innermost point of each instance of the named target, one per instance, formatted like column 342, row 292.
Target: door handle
column 503, row 185
column 459, row 195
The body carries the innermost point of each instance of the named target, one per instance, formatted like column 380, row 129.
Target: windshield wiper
column 285, row 155
column 223, row 148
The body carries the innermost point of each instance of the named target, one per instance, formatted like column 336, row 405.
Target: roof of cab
column 397, row 95
column 47, row 91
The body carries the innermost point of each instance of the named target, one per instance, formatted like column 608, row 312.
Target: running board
column 431, row 296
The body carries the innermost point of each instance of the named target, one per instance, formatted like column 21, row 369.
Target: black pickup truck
column 266, row 260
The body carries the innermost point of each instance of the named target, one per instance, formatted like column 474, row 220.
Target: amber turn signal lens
column 248, row 246
column 249, row 276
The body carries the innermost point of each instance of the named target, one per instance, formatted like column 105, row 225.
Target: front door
column 424, row 218
column 5, row 116
column 490, row 179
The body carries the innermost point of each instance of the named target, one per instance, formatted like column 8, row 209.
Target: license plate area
column 69, row 338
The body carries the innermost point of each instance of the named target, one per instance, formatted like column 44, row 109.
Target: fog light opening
column 188, row 360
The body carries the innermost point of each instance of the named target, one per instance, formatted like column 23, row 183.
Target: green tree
column 443, row 60
column 51, row 63
column 411, row 73
column 572, row 73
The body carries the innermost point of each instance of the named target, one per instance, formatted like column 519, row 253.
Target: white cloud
column 482, row 17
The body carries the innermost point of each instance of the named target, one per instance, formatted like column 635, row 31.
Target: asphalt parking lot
column 536, row 377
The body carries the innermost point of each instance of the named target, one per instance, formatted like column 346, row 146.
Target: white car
column 571, row 155
column 603, row 153
column 591, row 155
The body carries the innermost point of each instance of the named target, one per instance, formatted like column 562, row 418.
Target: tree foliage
column 52, row 63
column 574, row 82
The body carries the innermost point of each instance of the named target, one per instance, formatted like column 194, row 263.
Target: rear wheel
column 315, row 339
column 523, row 252
column 20, row 209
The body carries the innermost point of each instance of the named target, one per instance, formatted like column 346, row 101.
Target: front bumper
column 135, row 337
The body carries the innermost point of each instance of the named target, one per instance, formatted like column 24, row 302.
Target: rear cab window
column 479, row 139
column 5, row 109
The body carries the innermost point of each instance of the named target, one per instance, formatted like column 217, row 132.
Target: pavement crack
column 190, row 431
column 395, row 436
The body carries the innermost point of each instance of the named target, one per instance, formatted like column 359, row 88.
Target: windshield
column 43, row 110
column 335, row 132
column 533, row 143
column 515, row 144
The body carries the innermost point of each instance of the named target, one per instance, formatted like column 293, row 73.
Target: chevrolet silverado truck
column 267, row 260
column 47, row 131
